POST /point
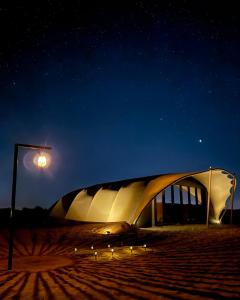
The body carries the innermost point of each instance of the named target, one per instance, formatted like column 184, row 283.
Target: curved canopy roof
column 125, row 200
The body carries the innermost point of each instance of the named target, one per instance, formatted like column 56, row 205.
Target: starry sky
column 119, row 90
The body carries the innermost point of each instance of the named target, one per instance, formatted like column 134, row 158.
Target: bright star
column 200, row 141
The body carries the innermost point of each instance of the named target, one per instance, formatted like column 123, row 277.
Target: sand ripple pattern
column 188, row 264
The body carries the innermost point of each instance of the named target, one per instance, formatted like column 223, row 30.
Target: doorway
column 181, row 203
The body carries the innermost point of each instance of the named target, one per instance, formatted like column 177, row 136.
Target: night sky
column 120, row 90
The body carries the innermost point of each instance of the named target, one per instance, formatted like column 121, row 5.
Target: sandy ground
column 179, row 262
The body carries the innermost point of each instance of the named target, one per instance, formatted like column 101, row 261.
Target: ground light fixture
column 42, row 161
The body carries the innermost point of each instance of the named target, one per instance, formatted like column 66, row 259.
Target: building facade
column 178, row 198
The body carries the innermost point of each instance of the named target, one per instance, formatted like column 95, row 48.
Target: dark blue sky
column 119, row 91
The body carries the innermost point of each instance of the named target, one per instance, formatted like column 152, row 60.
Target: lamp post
column 41, row 164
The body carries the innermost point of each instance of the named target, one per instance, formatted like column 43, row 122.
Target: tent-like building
column 153, row 200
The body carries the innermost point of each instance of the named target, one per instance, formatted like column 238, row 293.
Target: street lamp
column 42, row 163
column 42, row 160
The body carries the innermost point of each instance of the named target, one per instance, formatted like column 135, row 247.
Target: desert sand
column 178, row 262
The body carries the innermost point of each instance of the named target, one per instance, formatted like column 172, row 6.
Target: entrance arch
column 184, row 202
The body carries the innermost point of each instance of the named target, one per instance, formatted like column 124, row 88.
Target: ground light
column 107, row 254
column 42, row 163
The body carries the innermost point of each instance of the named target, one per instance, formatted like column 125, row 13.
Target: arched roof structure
column 125, row 200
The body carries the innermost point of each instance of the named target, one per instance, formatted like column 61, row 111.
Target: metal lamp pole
column 13, row 199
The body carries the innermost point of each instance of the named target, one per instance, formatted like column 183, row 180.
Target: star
column 200, row 141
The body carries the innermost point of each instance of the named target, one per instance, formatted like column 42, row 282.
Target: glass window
column 168, row 197
column 159, row 198
column 185, row 194
column 176, row 194
column 192, row 194
column 199, row 193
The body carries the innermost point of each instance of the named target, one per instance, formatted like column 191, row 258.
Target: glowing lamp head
column 42, row 160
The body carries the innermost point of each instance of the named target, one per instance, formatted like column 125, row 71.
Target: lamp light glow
column 42, row 160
